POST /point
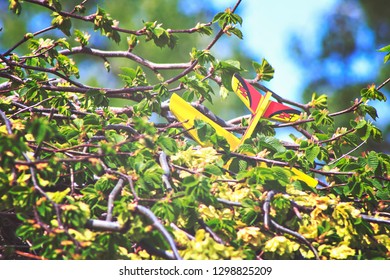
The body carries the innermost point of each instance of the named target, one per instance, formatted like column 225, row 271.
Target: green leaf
column 82, row 37
column 199, row 190
column 132, row 41
column 226, row 18
column 104, row 23
column 204, row 130
column 281, row 174
column 312, row 153
column 270, row 143
column 218, row 16
column 165, row 211
column 264, row 70
column 204, row 29
column 385, row 49
column 371, row 93
column 249, row 215
column 226, row 69
column 55, row 4
column 371, row 111
column 199, row 86
column 213, row 170
column 64, row 43
column 190, row 181
column 319, row 102
column 236, row 32
column 219, row 142
column 229, row 65
column 167, row 144
column 223, row 92
column 321, row 117
column 238, row 165
column 387, row 56
column 373, row 160
column 160, row 36
column 188, row 95
column 63, row 23
column 98, row 97
column 41, row 129
column 203, row 56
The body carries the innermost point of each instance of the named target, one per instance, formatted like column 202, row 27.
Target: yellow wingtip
column 310, row 181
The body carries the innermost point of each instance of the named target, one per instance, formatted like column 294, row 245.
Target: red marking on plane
column 243, row 91
column 285, row 115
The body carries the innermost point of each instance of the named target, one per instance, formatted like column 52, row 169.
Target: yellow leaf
column 17, row 125
column 94, row 161
column 251, row 235
column 41, row 166
column 342, row 252
column 9, row 153
column 66, row 242
column 21, row 168
column 29, row 137
column 281, row 245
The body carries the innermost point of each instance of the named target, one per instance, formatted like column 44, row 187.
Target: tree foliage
column 84, row 180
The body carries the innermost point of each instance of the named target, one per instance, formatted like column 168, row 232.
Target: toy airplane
column 260, row 107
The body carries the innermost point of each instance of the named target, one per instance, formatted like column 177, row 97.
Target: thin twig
column 346, row 154
column 32, row 106
column 25, row 39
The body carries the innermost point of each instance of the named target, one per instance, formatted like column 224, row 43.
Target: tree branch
column 111, row 198
column 125, row 54
column 156, row 223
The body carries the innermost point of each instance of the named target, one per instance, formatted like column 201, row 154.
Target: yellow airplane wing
column 187, row 114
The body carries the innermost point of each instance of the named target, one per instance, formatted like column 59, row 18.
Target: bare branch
column 266, row 209
column 167, row 171
column 375, row 220
column 125, row 54
column 383, row 84
column 111, row 197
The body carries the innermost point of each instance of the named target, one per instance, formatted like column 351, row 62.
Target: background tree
column 83, row 179
column 348, row 57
